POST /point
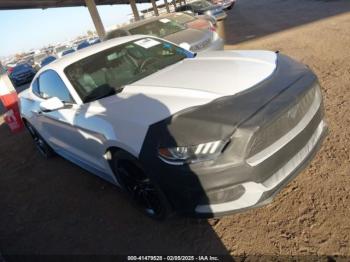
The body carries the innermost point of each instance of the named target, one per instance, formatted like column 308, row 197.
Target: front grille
column 285, row 122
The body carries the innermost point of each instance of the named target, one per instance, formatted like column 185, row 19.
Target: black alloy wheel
column 145, row 194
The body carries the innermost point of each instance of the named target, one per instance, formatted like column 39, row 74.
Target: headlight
column 190, row 154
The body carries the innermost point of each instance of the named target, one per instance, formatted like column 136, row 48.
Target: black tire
column 145, row 195
column 44, row 149
column 231, row 6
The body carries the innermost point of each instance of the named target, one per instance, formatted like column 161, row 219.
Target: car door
column 62, row 128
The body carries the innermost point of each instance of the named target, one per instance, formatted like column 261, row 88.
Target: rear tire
column 44, row 149
column 145, row 195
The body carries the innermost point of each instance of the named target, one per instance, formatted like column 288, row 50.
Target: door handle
column 38, row 112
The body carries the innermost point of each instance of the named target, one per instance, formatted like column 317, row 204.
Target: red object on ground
column 12, row 116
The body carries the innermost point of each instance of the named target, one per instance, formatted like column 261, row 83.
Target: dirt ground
column 54, row 207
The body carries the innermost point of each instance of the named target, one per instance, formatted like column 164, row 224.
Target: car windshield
column 108, row 71
column 21, row 67
column 182, row 18
column 201, row 4
column 159, row 28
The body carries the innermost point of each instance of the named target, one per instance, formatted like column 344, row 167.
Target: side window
column 51, row 85
column 35, row 87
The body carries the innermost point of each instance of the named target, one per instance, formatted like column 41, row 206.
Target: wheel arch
column 24, row 119
column 110, row 151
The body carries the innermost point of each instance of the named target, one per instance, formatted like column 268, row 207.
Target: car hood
column 190, row 36
column 187, row 84
column 187, row 98
column 241, row 114
column 220, row 73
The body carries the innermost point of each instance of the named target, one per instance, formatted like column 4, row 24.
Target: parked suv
column 21, row 74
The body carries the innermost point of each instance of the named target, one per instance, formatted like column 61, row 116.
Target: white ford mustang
column 203, row 135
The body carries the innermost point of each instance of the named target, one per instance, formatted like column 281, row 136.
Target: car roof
column 61, row 63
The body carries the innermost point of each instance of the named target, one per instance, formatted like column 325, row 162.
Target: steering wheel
column 148, row 61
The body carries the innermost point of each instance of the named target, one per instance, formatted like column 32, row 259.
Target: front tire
column 44, row 149
column 145, row 195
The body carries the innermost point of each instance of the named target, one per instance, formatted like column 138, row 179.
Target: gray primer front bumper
column 238, row 118
column 259, row 194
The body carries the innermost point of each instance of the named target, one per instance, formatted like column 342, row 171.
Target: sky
column 22, row 30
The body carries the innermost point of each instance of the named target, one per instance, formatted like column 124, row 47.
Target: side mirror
column 51, row 104
column 185, row 46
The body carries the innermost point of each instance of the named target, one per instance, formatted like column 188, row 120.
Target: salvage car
column 204, row 134
column 167, row 27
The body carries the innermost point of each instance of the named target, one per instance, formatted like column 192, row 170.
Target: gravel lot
column 54, row 207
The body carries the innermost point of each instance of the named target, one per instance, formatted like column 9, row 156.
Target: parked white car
column 203, row 135
column 59, row 50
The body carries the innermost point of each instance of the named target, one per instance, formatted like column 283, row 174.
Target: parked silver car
column 203, row 7
column 167, row 27
column 204, row 135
